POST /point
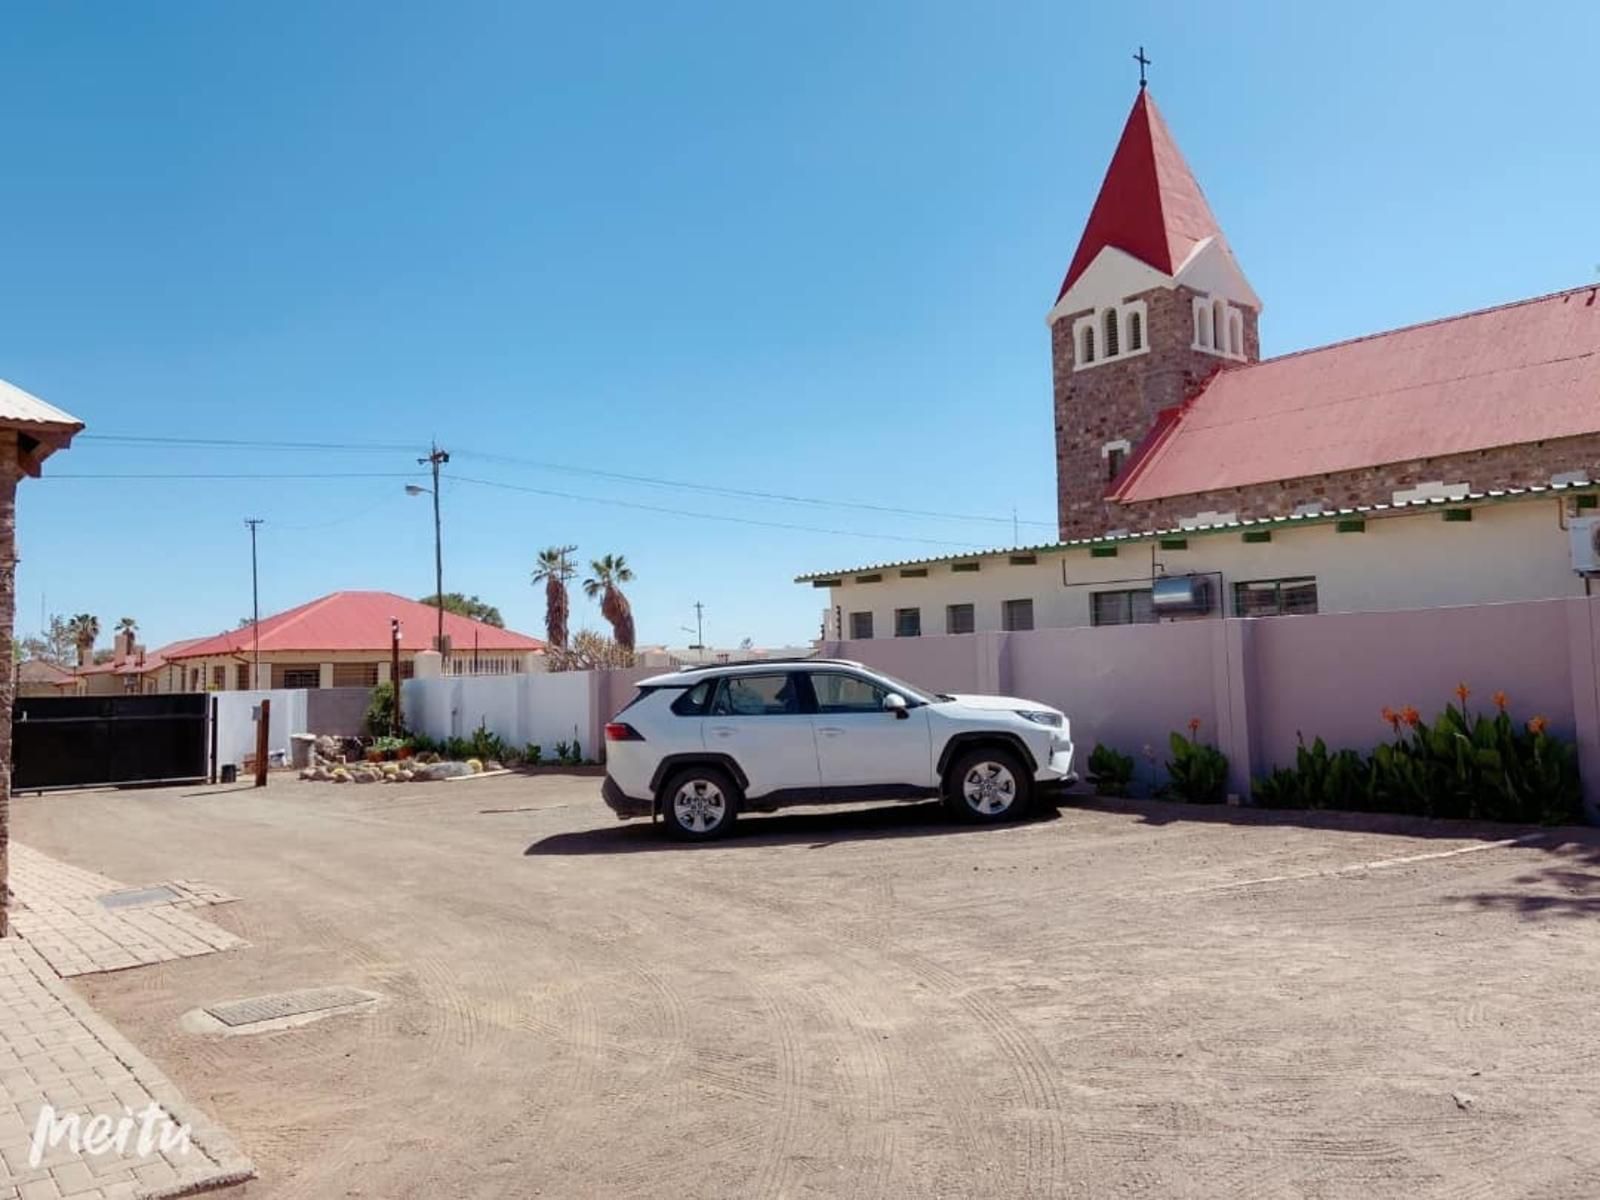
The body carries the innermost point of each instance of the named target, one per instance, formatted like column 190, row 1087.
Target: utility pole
column 255, row 604
column 435, row 458
column 699, row 626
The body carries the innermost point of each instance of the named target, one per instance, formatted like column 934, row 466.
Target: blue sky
column 797, row 249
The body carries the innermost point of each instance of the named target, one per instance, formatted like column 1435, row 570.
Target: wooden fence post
column 263, row 725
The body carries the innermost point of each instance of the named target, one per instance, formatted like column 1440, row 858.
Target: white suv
column 699, row 746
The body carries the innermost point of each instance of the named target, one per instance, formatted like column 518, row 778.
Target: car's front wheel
column 699, row 803
column 988, row 784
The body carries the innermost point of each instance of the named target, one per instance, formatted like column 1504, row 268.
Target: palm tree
column 608, row 573
column 127, row 625
column 85, row 629
column 553, row 570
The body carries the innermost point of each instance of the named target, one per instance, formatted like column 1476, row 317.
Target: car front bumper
column 624, row 805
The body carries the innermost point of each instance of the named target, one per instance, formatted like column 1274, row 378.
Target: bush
column 379, row 719
column 1110, row 772
column 1318, row 779
column 1461, row 765
column 1197, row 771
column 533, row 755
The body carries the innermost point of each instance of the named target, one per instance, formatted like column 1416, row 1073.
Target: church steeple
column 1150, row 205
column 1153, row 304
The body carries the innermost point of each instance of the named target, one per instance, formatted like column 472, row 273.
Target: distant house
column 36, row 677
column 132, row 669
column 338, row 640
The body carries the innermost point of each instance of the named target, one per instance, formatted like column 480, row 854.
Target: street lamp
column 435, row 457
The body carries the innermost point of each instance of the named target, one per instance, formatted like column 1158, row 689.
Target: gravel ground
column 1135, row 1000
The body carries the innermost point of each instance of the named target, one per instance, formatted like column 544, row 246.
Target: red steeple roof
column 1149, row 204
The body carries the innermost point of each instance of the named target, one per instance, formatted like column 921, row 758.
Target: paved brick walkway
column 58, row 910
column 54, row 1050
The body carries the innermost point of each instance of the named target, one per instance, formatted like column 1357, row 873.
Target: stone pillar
column 8, row 609
column 261, row 680
column 325, row 675
column 429, row 664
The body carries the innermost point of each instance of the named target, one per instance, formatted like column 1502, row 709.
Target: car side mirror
column 896, row 703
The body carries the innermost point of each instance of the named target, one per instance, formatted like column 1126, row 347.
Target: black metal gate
column 92, row 741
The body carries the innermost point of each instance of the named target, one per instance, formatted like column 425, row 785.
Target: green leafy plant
column 1462, row 764
column 533, row 755
column 1319, row 779
column 379, row 718
column 1110, row 771
column 563, row 750
column 1197, row 771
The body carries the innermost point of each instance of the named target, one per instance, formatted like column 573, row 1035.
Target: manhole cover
column 136, row 897
column 286, row 1004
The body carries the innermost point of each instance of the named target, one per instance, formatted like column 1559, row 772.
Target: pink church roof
column 1149, row 203
column 358, row 621
column 1523, row 372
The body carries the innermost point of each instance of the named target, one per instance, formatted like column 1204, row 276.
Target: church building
column 1451, row 462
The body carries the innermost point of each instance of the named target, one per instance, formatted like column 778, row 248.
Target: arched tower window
column 1202, row 325
column 1219, row 321
column 1135, row 331
column 1086, row 351
column 1236, row 333
column 1110, row 324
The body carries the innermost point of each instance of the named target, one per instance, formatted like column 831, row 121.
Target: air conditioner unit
column 1172, row 594
column 1585, row 534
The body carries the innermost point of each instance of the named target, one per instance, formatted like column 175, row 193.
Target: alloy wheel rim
column 700, row 806
column 989, row 788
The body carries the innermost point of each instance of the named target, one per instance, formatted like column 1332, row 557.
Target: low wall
column 236, row 725
column 1256, row 684
column 542, row 708
column 340, row 712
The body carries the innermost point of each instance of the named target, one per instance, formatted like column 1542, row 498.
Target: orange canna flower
column 1194, row 726
column 1501, row 700
column 1537, row 726
column 1462, row 692
column 1392, row 718
column 1410, row 716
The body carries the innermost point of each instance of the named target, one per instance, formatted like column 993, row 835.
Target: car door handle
column 722, row 730
column 830, row 730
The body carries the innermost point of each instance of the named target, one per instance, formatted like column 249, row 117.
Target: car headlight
column 1041, row 718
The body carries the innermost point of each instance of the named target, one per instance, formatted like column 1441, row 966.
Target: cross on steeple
column 1143, row 63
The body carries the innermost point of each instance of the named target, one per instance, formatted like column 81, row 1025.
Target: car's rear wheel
column 699, row 803
column 988, row 784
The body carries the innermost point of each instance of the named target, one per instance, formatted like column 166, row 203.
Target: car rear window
column 693, row 703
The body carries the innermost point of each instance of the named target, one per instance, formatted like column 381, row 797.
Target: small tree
column 467, row 606
column 590, row 651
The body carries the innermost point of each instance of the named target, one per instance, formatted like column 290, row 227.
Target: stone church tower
column 1152, row 306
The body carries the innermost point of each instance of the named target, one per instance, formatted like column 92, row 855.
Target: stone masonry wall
column 8, row 611
column 1502, row 466
column 1120, row 399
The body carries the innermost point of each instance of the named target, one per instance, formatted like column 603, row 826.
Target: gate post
column 211, row 774
column 263, row 725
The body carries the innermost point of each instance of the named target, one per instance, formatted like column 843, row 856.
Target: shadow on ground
column 1168, row 812
column 816, row 828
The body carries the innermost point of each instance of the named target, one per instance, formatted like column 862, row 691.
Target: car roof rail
column 766, row 662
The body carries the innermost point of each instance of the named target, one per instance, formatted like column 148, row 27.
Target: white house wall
column 1508, row 551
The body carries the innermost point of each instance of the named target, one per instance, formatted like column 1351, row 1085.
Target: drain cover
column 286, row 1004
column 138, row 897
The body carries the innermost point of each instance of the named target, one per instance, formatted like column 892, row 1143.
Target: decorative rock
column 475, row 765
column 491, row 765
column 444, row 770
column 340, row 775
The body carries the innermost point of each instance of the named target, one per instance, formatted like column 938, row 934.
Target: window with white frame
column 1110, row 334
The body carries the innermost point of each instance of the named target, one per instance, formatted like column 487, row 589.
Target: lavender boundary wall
column 1255, row 684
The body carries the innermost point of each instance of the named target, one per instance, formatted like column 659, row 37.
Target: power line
column 683, row 512
column 239, row 475
column 571, row 469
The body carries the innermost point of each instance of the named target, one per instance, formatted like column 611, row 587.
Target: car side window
column 693, row 702
column 755, row 696
column 846, row 693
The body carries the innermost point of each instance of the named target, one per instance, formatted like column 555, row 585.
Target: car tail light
column 621, row 731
